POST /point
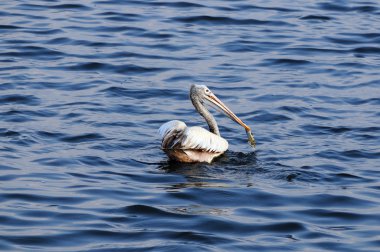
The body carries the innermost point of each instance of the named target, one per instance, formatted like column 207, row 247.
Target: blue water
column 84, row 86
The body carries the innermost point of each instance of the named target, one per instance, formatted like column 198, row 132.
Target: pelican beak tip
column 251, row 139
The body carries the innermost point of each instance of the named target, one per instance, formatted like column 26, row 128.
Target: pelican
column 196, row 144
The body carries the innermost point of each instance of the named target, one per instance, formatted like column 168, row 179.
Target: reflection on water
column 237, row 166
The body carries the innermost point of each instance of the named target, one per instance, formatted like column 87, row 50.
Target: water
column 84, row 86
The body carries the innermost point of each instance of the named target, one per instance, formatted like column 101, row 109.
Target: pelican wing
column 176, row 135
column 197, row 138
column 171, row 132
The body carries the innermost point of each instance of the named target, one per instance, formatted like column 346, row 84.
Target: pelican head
column 204, row 94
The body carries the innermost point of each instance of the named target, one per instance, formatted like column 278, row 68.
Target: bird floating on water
column 196, row 144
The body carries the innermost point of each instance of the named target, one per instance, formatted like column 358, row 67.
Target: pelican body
column 196, row 144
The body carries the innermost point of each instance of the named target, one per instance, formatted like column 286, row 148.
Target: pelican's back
column 190, row 144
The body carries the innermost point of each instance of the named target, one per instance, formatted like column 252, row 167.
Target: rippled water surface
column 84, row 86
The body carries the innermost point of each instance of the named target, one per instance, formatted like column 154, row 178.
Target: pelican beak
column 215, row 101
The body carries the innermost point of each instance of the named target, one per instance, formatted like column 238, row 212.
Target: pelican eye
column 207, row 91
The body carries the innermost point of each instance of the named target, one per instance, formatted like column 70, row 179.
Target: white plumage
column 200, row 138
column 176, row 134
column 190, row 144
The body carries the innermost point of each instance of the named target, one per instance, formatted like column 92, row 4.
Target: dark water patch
column 110, row 193
column 287, row 227
column 124, row 162
column 167, row 47
column 71, row 104
column 266, row 117
column 350, row 65
column 345, row 177
column 12, row 221
column 44, row 31
column 356, row 101
column 57, row 162
column 278, row 97
column 23, row 140
column 59, row 41
column 177, row 4
column 329, row 100
column 29, row 100
column 93, row 161
column 138, row 210
column 321, row 130
column 6, row 167
column 87, row 178
column 339, row 201
column 179, row 78
column 70, row 7
column 214, row 20
column 315, row 51
column 344, row 41
column 332, row 178
column 141, row 94
column 119, row 16
column 156, row 35
column 40, row 214
column 9, row 27
column 41, row 7
column 118, row 29
column 345, row 8
column 67, row 87
column 120, row 69
column 24, row 15
column 349, row 154
column 88, row 43
column 294, row 109
column 35, row 198
column 362, row 137
column 251, row 46
column 247, row 159
column 230, row 227
column 215, row 196
column 11, row 116
column 34, row 52
column 19, row 41
column 26, row 115
column 115, row 124
column 258, row 7
column 367, row 50
column 130, row 30
column 361, row 154
column 35, row 7
column 8, row 133
column 368, row 129
column 123, row 18
column 369, row 35
column 42, row 240
column 50, row 135
column 124, row 54
column 12, row 68
column 45, row 176
column 285, row 62
column 150, row 178
column 83, row 237
column 316, row 17
column 89, row 137
column 74, row 216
